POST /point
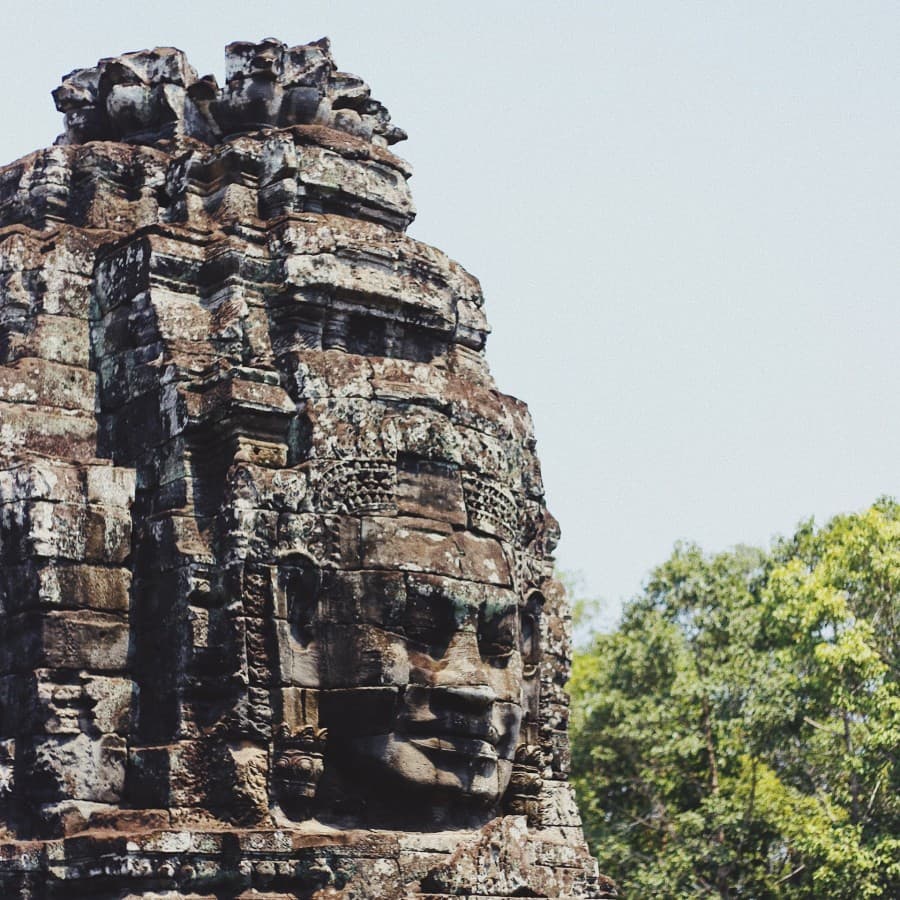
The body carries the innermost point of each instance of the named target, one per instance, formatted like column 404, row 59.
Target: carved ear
column 297, row 585
column 530, row 631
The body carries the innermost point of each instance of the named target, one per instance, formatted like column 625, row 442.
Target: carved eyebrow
column 462, row 605
column 494, row 607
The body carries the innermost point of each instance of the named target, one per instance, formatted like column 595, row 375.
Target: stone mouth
column 471, row 748
column 452, row 726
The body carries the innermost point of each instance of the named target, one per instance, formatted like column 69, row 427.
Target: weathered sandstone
column 277, row 608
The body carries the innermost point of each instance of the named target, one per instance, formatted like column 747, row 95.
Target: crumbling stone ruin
column 277, row 600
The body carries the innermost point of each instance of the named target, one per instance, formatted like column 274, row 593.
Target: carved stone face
column 448, row 651
column 297, row 766
column 415, row 639
column 275, row 566
column 144, row 92
column 76, row 97
column 253, row 91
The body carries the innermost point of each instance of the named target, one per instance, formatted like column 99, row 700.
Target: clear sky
column 685, row 216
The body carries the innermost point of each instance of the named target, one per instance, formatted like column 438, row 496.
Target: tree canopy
column 738, row 734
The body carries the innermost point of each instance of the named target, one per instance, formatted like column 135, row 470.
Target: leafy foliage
column 738, row 734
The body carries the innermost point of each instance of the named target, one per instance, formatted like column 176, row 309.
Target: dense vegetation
column 738, row 734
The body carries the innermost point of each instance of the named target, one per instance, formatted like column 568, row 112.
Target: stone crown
column 154, row 95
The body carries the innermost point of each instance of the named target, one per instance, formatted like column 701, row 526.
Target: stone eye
column 428, row 621
column 497, row 635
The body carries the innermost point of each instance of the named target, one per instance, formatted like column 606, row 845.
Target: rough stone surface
column 277, row 611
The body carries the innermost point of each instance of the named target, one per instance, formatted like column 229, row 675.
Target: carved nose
column 462, row 669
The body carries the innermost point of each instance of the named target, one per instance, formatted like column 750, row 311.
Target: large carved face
column 424, row 690
column 416, row 631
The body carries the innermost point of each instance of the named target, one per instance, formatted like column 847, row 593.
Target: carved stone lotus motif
column 297, row 766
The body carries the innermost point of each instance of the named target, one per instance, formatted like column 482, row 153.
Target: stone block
column 430, row 490
column 61, row 339
column 89, row 532
column 358, row 711
column 169, row 776
column 49, row 384
column 47, row 430
column 84, row 640
column 78, row 768
column 298, row 707
column 372, row 597
column 361, row 655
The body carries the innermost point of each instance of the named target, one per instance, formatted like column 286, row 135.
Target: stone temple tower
column 277, row 608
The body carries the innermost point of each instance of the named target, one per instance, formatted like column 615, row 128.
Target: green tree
column 737, row 735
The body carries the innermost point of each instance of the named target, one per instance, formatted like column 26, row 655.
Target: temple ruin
column 276, row 586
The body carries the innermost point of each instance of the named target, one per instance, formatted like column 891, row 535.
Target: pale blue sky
column 685, row 217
